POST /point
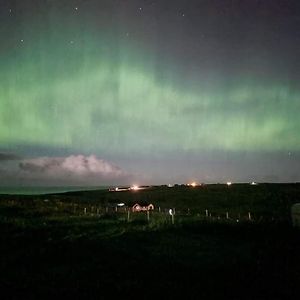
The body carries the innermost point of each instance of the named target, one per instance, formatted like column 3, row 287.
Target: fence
column 165, row 214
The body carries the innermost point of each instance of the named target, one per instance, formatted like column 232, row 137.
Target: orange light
column 135, row 187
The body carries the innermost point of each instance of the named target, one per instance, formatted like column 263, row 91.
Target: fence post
column 128, row 215
column 206, row 213
column 249, row 216
column 227, row 215
column 148, row 216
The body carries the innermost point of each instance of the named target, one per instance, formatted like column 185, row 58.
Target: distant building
column 137, row 207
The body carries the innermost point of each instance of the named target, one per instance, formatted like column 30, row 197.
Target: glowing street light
column 134, row 187
column 229, row 183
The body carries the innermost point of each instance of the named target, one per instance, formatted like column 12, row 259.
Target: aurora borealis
column 165, row 90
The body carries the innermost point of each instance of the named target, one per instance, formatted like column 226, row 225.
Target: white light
column 229, row 183
column 193, row 184
column 135, row 187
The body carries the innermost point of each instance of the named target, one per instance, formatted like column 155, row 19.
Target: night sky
column 97, row 92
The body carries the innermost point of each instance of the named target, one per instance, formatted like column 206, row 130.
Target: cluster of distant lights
column 131, row 188
column 135, row 188
column 228, row 183
column 192, row 184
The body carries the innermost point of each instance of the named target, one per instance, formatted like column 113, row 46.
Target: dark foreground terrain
column 76, row 245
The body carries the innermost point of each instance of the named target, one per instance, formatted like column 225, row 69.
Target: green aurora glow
column 104, row 104
column 67, row 84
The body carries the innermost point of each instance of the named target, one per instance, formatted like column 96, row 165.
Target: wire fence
column 126, row 213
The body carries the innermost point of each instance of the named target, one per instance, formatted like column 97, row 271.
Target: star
column 76, row 8
column 21, row 40
column 71, row 42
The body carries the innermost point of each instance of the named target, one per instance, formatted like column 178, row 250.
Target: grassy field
column 50, row 246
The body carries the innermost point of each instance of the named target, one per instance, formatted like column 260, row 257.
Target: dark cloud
column 8, row 156
column 72, row 169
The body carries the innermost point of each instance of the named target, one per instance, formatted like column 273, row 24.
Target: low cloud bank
column 77, row 165
column 71, row 170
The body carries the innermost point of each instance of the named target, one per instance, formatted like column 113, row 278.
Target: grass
column 47, row 250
